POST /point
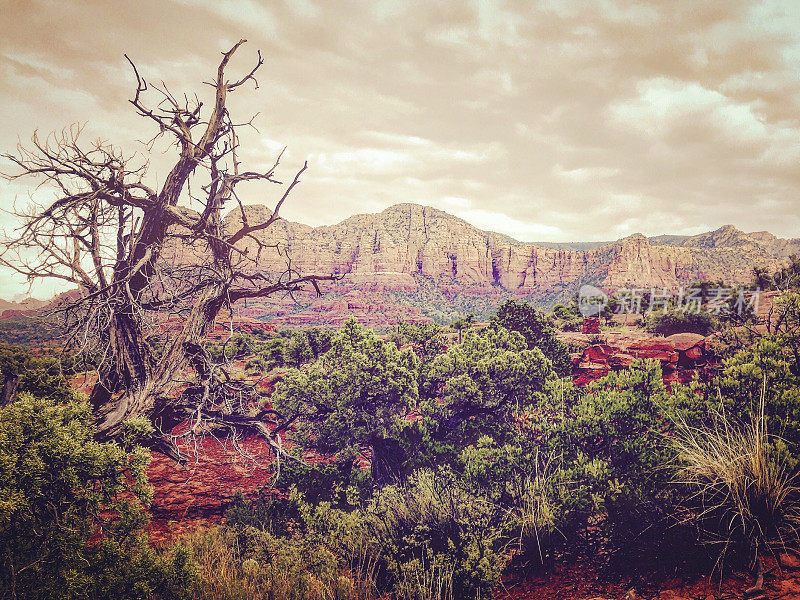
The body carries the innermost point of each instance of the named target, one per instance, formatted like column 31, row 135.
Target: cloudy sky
column 550, row 120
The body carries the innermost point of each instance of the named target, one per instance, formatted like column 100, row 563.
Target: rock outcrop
column 682, row 356
column 391, row 248
column 408, row 249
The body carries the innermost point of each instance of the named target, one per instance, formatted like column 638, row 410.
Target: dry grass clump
column 536, row 507
column 421, row 580
column 743, row 488
column 283, row 572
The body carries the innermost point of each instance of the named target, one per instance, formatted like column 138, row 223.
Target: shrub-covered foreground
column 71, row 519
column 442, row 468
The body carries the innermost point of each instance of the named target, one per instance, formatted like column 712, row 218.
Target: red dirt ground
column 580, row 581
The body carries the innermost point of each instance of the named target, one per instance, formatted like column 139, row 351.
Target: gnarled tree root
column 759, row 584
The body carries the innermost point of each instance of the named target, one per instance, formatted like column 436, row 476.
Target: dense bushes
column 537, row 331
column 435, row 468
column 440, row 537
column 71, row 520
column 542, row 459
column 43, row 376
column 676, row 321
column 294, row 348
column 354, row 398
column 251, row 563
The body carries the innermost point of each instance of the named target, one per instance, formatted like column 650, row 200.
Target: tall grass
column 284, row 572
column 442, row 539
column 426, row 580
column 743, row 490
column 535, row 508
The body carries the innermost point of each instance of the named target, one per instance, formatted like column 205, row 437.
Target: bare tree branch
column 152, row 274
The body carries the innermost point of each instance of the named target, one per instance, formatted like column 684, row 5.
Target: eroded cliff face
column 412, row 262
column 390, row 249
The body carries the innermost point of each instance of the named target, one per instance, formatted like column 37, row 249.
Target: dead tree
column 119, row 241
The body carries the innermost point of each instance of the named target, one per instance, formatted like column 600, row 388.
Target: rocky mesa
column 409, row 248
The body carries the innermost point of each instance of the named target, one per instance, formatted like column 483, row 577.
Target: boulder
column 684, row 341
column 620, row 360
column 694, row 353
column 789, row 560
column 597, row 353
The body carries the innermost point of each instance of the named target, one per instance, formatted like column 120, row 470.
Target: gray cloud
column 554, row 120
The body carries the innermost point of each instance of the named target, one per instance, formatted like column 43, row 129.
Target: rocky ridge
column 404, row 241
column 412, row 262
column 407, row 249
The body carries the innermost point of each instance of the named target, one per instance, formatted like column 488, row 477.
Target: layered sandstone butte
column 392, row 248
column 423, row 258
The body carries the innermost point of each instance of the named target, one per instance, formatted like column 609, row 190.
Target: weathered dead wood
column 106, row 232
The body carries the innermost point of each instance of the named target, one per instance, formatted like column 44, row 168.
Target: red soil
column 580, row 581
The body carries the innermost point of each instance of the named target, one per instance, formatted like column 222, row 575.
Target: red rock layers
column 391, row 248
column 682, row 356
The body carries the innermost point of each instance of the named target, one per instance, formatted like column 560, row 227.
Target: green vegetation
column 39, row 329
column 441, row 463
column 42, row 375
column 786, row 278
column 537, row 330
column 71, row 511
column 248, row 558
column 566, row 317
column 266, row 353
column 676, row 321
column 744, row 482
column 426, row 339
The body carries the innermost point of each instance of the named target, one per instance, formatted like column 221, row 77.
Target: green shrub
column 427, row 339
column 273, row 353
column 42, row 376
column 766, row 369
column 610, row 445
column 298, row 350
column 256, row 365
column 475, row 388
column 71, row 519
column 272, row 568
column 742, row 490
column 675, row 321
column 529, row 485
column 537, row 330
column 237, row 346
column 440, row 539
column 567, row 317
column 283, row 548
column 355, row 396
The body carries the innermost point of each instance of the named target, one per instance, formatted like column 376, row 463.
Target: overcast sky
column 557, row 121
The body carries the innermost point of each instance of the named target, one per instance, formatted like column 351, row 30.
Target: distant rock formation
column 413, row 262
column 408, row 247
column 390, row 248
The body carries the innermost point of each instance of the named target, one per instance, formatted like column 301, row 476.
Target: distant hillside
column 393, row 247
column 412, row 262
column 778, row 247
column 425, row 258
column 33, row 321
column 22, row 305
